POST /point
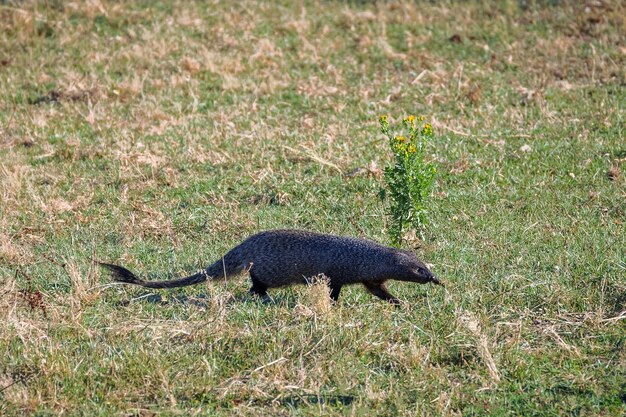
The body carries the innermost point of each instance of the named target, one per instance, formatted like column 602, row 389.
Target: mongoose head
column 414, row 270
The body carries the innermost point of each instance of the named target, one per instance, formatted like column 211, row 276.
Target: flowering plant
column 410, row 179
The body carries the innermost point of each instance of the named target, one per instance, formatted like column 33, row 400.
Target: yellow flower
column 411, row 119
column 428, row 129
column 411, row 148
column 383, row 118
column 422, row 118
column 398, row 147
column 400, row 139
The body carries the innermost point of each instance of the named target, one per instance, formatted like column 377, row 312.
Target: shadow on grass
column 203, row 300
column 312, row 399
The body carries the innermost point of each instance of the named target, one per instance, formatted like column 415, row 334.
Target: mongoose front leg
column 379, row 290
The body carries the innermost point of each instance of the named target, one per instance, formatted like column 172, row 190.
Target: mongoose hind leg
column 334, row 291
column 258, row 288
column 380, row 290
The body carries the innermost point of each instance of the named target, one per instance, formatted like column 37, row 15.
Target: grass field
column 160, row 134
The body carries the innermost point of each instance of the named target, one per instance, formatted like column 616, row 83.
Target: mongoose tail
column 121, row 274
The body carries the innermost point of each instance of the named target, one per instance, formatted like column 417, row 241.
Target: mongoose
column 278, row 258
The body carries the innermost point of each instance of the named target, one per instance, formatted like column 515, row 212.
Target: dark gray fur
column 277, row 258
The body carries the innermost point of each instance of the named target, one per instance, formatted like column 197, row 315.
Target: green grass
column 161, row 134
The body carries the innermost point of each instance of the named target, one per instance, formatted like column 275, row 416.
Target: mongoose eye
column 422, row 272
